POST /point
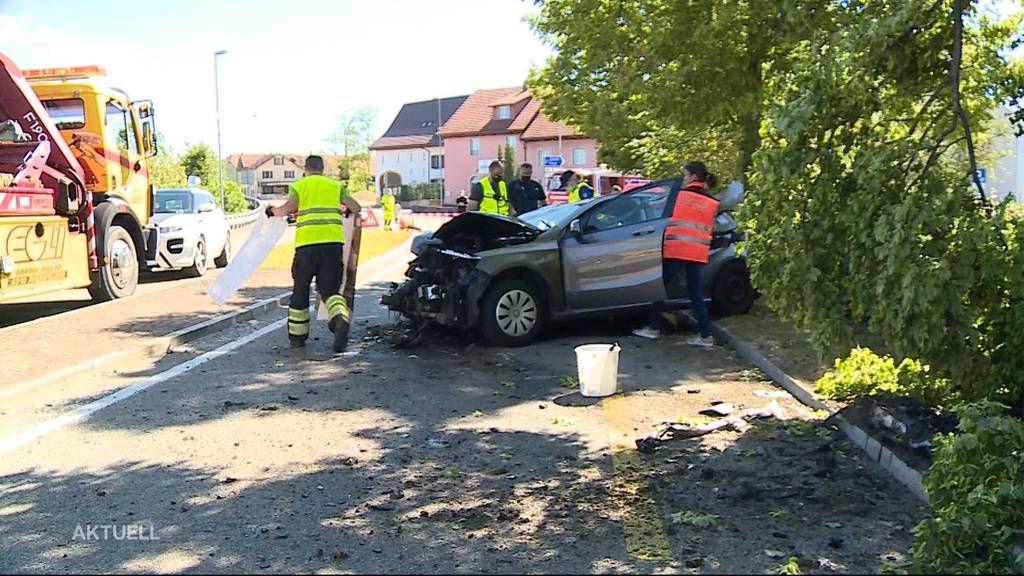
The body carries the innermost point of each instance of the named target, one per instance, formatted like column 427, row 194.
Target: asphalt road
column 237, row 454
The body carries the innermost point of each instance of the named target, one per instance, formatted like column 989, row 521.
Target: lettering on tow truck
column 24, row 245
column 35, row 126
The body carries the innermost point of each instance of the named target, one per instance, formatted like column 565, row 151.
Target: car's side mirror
column 207, row 207
column 576, row 227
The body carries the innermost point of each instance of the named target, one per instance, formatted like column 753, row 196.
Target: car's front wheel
column 198, row 267
column 224, row 259
column 732, row 292
column 512, row 313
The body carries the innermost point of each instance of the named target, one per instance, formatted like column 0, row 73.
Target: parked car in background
column 190, row 230
column 507, row 277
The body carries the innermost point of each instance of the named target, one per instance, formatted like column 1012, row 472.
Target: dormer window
column 504, row 112
column 426, row 124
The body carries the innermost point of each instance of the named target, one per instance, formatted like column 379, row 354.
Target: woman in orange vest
column 686, row 246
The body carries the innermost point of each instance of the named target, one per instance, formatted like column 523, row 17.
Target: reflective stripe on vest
column 574, row 196
column 318, row 220
column 688, row 233
column 491, row 202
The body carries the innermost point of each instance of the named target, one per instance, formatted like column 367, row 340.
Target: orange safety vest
column 688, row 233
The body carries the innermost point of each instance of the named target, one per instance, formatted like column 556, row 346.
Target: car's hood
column 168, row 219
column 494, row 225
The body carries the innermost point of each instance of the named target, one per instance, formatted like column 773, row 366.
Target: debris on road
column 673, row 430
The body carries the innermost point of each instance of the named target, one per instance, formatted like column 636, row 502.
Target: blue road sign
column 553, row 161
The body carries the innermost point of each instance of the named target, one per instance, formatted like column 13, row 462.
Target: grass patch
column 695, row 519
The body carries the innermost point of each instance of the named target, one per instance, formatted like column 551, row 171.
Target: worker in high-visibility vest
column 319, row 239
column 686, row 247
column 387, row 202
column 577, row 187
column 490, row 194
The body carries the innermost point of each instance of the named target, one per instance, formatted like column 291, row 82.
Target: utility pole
column 216, row 93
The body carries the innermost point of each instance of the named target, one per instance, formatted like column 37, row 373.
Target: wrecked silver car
column 508, row 277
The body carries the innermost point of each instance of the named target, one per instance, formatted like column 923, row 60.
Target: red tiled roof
column 512, row 99
column 246, row 161
column 527, row 115
column 542, row 128
column 476, row 112
column 393, row 142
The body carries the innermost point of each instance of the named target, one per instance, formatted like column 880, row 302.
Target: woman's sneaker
column 702, row 341
column 647, row 332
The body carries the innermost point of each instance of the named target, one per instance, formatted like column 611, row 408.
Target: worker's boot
column 296, row 341
column 339, row 321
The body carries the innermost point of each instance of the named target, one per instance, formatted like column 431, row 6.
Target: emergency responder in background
column 685, row 248
column 577, row 187
column 490, row 194
column 461, row 202
column 525, row 193
column 319, row 237
column 387, row 203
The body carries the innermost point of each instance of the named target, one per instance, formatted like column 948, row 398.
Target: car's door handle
column 644, row 232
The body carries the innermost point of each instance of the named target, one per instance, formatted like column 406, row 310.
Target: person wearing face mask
column 490, row 194
column 526, row 194
column 685, row 248
column 577, row 187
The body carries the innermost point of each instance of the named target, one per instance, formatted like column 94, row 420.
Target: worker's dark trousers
column 323, row 262
column 694, row 274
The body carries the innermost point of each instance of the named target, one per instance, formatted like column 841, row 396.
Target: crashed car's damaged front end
column 443, row 283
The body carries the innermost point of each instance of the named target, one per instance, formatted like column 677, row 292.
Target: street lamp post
column 216, row 93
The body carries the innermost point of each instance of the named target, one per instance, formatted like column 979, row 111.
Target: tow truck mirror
column 148, row 142
column 576, row 227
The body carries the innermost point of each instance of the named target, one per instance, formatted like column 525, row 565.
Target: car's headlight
column 169, row 229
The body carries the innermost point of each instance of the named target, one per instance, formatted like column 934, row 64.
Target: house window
column 504, row 112
column 510, row 141
column 436, row 161
column 541, row 154
column 267, row 174
column 579, row 156
column 289, row 173
column 474, row 146
column 278, row 161
column 426, row 124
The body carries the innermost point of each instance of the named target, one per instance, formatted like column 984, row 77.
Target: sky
column 291, row 67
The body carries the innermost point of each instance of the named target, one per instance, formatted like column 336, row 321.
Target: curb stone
column 892, row 463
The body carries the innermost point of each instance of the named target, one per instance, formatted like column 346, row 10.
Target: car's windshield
column 173, row 202
column 549, row 216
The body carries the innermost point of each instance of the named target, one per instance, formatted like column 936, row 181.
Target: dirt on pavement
column 449, row 457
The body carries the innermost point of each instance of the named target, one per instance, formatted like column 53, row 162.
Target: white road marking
column 16, row 441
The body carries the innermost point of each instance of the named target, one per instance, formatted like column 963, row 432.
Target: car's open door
column 611, row 256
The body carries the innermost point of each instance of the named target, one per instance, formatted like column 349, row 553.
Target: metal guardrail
column 237, row 221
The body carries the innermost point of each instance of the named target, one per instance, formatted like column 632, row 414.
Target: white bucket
column 598, row 368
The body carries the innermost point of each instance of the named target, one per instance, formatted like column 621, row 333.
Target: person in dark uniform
column 461, row 202
column 526, row 194
column 319, row 239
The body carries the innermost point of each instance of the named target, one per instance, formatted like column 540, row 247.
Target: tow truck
column 75, row 194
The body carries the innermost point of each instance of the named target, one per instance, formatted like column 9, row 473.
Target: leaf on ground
column 567, row 381
column 695, row 519
column 477, row 414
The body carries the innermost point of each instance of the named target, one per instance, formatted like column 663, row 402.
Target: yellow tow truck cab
column 90, row 143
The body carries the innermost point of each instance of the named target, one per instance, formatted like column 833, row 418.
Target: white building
column 1006, row 174
column 410, row 152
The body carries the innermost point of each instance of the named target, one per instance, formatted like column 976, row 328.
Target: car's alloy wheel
column 516, row 313
column 199, row 266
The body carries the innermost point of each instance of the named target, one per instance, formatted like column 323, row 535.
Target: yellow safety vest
column 574, row 195
column 319, row 217
column 388, row 203
column 491, row 202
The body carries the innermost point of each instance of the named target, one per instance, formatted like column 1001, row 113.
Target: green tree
column 200, row 160
column 659, row 82
column 508, row 159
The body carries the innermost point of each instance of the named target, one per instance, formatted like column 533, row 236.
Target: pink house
column 506, row 117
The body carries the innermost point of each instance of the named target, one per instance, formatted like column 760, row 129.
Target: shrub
column 864, row 373
column 976, row 489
